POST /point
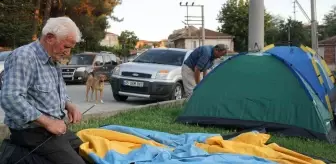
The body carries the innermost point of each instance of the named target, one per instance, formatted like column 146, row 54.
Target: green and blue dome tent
column 280, row 89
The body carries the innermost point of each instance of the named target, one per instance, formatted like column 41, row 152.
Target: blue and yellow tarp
column 115, row 144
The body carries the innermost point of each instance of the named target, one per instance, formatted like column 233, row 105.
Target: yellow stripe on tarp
column 317, row 71
column 310, row 50
column 329, row 105
column 330, row 74
column 304, row 48
column 325, row 66
column 268, row 47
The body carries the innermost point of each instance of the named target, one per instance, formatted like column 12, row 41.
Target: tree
column 91, row 16
column 127, row 40
column 37, row 4
column 47, row 10
column 330, row 23
column 26, row 18
column 147, row 46
column 295, row 32
column 117, row 50
column 272, row 33
column 16, row 22
column 233, row 18
column 156, row 44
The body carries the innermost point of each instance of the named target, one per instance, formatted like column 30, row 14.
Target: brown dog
column 95, row 84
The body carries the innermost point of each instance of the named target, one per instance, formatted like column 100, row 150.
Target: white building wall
column 194, row 43
column 110, row 41
column 321, row 51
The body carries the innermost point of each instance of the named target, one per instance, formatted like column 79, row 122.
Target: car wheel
column 120, row 97
column 177, row 93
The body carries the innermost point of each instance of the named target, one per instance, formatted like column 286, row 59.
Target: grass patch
column 163, row 120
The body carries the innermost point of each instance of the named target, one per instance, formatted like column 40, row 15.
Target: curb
column 152, row 105
column 4, row 131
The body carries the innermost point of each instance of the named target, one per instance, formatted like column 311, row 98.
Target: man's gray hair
column 62, row 27
column 221, row 47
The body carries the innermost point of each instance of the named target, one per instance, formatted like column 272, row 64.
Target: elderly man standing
column 34, row 96
column 200, row 60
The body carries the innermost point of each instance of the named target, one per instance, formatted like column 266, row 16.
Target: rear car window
column 3, row 55
column 81, row 59
column 162, row 56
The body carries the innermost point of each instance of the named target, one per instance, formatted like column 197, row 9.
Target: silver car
column 3, row 56
column 155, row 74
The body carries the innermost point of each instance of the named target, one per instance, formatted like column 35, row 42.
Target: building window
column 194, row 44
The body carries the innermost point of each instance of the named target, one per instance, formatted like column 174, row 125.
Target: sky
column 155, row 20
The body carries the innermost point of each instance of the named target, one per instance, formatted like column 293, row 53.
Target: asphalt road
column 77, row 95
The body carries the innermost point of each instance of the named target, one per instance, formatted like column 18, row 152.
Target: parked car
column 80, row 65
column 154, row 74
column 3, row 56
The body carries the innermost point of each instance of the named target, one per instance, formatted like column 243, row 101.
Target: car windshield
column 81, row 59
column 3, row 55
column 162, row 56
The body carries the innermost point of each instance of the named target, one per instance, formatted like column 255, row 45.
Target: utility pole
column 294, row 9
column 256, row 25
column 313, row 23
column 289, row 32
column 203, row 30
column 314, row 26
column 195, row 20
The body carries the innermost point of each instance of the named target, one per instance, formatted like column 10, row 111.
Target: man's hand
column 74, row 114
column 56, row 127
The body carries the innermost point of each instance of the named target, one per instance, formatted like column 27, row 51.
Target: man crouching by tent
column 200, row 60
column 34, row 96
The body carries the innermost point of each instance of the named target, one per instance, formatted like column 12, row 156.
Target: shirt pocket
column 45, row 88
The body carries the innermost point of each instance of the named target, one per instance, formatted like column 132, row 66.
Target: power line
column 294, row 9
column 313, row 22
column 302, row 10
column 195, row 20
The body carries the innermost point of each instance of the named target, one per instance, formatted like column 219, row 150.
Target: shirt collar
column 42, row 53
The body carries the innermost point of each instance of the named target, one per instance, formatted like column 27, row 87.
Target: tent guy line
column 47, row 140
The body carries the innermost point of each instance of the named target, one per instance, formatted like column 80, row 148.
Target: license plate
column 133, row 83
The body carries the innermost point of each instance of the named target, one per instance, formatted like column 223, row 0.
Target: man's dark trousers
column 59, row 149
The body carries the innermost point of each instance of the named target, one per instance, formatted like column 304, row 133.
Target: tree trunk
column 57, row 8
column 36, row 18
column 47, row 10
